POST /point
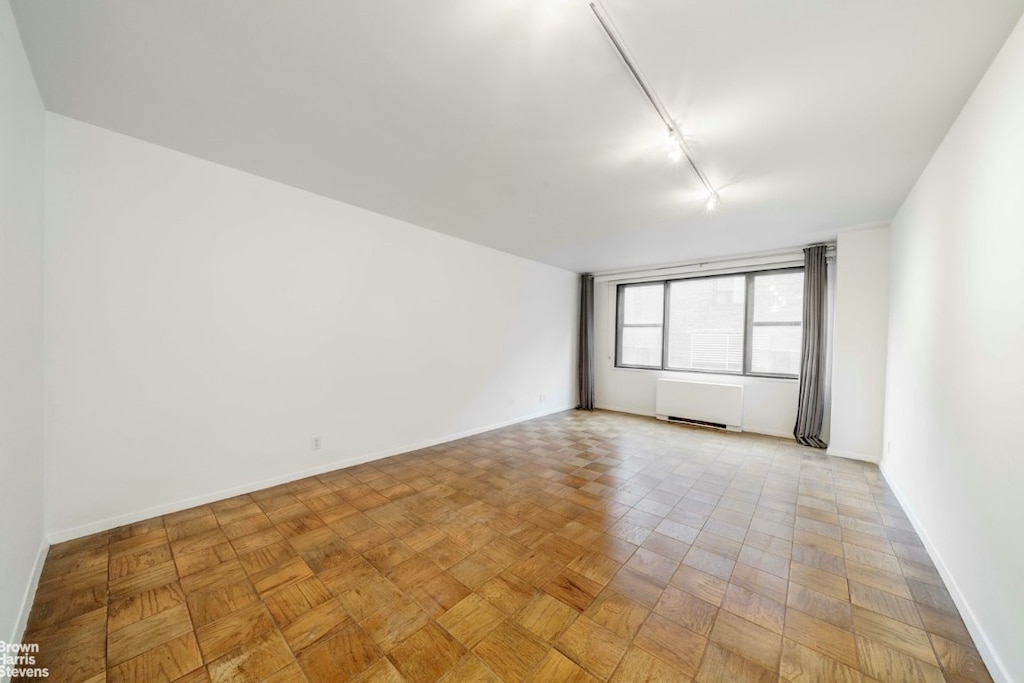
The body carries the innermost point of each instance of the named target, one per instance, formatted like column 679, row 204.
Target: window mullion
column 748, row 327
column 664, row 325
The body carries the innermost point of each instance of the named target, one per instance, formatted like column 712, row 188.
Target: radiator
column 703, row 403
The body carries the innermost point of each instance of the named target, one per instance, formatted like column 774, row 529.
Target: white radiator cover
column 719, row 405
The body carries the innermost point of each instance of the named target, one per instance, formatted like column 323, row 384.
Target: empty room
column 511, row 340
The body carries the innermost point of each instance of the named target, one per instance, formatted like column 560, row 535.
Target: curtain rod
column 794, row 251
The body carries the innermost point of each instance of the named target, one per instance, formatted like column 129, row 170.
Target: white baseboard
column 628, row 411
column 767, row 431
column 29, row 595
column 753, row 430
column 991, row 658
column 852, row 455
column 61, row 535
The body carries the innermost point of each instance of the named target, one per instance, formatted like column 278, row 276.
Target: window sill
column 706, row 374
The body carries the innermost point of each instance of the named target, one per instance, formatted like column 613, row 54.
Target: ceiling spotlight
column 675, row 152
column 680, row 149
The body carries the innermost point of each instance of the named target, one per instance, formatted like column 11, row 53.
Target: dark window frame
column 620, row 323
column 748, row 324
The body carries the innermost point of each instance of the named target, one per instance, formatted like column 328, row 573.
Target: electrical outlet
column 541, row 398
column 315, row 443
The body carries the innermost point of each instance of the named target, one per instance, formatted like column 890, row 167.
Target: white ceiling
column 513, row 124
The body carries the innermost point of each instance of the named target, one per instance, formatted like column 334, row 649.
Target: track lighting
column 679, row 149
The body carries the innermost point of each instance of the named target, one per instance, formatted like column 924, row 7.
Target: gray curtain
column 810, row 411
column 585, row 361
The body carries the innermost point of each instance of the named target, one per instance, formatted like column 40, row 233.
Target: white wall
column 955, row 380
column 203, row 324
column 769, row 405
column 859, row 344
column 21, row 330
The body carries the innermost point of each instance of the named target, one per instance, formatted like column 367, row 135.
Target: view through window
column 747, row 323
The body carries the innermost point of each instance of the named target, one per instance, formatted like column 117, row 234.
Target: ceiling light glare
column 672, row 148
column 713, row 201
column 675, row 155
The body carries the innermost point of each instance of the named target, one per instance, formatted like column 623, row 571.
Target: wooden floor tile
column 803, row 665
column 544, row 616
column 471, row 620
column 658, row 567
column 895, row 634
column 724, row 666
column 687, row 610
column 132, row 561
column 292, row 673
column 885, row 604
column 592, row 647
column 134, row 639
column 672, row 643
column 470, row 668
column 215, row 603
column 439, row 593
column 557, row 667
column 224, row 574
column 753, row 642
column 381, row 671
column 820, row 606
column 820, row 580
column 79, row 661
column 637, row 587
column 755, row 607
column 510, row 651
column 89, row 629
column 705, row 586
column 474, row 570
column 582, row 546
column 291, row 572
column 394, row 623
column 572, row 588
column 369, row 596
column 640, row 665
column 167, row 662
column 618, row 614
column 427, row 654
column 507, row 592
column 254, row 660
column 948, row 626
column 709, row 562
column 960, row 660
column 55, row 604
column 224, row 635
column 886, row 664
column 827, row 639
column 341, row 655
column 296, row 599
column 313, row 625
column 934, row 596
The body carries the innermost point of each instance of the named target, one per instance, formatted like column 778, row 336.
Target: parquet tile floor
column 576, row 547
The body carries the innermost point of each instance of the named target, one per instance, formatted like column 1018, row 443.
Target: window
column 776, row 325
column 640, row 325
column 706, row 319
column 748, row 323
